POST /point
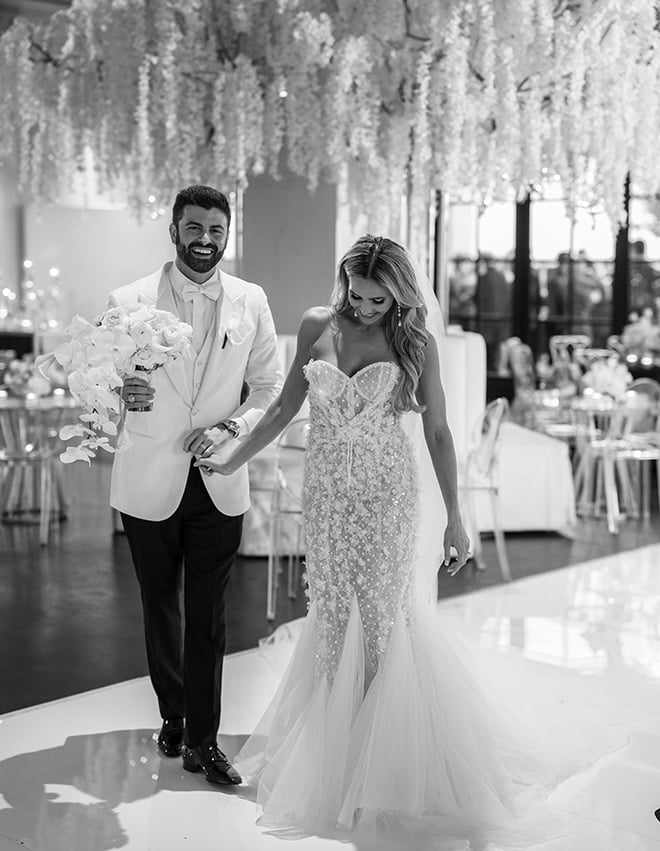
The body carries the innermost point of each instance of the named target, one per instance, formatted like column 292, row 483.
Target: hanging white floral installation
column 413, row 94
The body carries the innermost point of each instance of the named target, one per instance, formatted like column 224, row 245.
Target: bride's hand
column 456, row 539
column 208, row 466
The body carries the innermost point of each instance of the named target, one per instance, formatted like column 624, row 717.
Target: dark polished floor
column 70, row 617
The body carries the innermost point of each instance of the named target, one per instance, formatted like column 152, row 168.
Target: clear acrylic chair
column 521, row 362
column 567, row 347
column 615, row 453
column 480, row 475
column 285, row 536
column 588, row 356
column 30, row 474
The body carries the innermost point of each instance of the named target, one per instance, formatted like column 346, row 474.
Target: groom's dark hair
column 200, row 196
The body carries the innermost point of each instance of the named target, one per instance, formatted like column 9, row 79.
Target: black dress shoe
column 170, row 738
column 211, row 760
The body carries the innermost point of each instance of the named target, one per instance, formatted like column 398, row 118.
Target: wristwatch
column 232, row 427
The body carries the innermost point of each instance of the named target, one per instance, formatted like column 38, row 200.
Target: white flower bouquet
column 99, row 357
column 610, row 377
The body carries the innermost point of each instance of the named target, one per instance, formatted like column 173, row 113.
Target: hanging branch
column 347, row 99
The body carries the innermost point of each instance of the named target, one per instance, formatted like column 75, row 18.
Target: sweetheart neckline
column 355, row 374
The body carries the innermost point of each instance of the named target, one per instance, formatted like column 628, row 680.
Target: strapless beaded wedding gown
column 381, row 711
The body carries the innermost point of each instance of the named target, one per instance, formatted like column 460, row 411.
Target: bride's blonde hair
column 387, row 263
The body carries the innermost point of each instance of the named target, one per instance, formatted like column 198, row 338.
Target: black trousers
column 197, row 545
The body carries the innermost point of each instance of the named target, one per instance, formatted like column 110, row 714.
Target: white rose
column 146, row 358
column 172, row 335
column 141, row 333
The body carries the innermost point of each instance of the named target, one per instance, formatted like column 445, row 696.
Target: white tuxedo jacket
column 148, row 479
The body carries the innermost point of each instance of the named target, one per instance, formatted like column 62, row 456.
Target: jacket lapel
column 228, row 316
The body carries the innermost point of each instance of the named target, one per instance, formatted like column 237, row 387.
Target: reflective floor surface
column 84, row 774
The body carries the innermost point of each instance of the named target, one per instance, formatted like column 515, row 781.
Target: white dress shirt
column 199, row 313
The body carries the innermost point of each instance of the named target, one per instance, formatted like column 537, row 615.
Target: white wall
column 289, row 245
column 95, row 251
column 10, row 227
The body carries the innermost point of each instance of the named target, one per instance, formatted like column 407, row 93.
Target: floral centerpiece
column 608, row 377
column 22, row 378
column 97, row 359
column 641, row 336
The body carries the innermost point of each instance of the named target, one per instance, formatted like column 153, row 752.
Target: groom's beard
column 194, row 261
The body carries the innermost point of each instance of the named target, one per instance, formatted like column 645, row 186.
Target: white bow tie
column 192, row 291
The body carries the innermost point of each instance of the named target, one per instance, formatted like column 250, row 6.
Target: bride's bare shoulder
column 314, row 322
column 321, row 315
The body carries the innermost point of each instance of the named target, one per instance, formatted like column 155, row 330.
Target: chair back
column 632, row 414
column 294, row 435
column 289, row 464
column 567, row 347
column 521, row 360
column 29, row 429
column 643, row 398
column 614, row 343
column 523, row 372
column 588, row 356
column 485, row 435
column 648, row 386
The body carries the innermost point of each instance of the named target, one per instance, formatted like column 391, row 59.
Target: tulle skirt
column 459, row 744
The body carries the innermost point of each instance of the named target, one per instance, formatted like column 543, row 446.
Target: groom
column 183, row 528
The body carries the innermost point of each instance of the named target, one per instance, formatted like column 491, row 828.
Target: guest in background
column 644, row 284
column 601, row 306
column 463, row 294
column 569, row 302
column 493, row 307
column 183, row 528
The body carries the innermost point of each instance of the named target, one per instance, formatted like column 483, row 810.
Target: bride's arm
column 443, row 455
column 285, row 406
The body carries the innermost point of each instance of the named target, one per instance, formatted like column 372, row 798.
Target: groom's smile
column 200, row 238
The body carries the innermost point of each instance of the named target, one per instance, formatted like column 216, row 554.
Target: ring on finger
column 131, row 397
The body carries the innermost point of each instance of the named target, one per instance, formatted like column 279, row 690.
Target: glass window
column 644, row 255
column 572, row 268
column 481, row 247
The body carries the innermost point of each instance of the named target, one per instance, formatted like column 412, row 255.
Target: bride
column 380, row 713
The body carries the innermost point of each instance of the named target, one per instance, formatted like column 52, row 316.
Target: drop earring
column 398, row 315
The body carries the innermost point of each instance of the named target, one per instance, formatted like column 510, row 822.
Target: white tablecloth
column 535, row 479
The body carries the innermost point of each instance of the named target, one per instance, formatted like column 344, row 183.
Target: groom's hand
column 136, row 393
column 203, row 442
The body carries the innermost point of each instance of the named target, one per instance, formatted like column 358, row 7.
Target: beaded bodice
column 360, row 506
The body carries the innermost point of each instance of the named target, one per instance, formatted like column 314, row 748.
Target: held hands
column 136, row 393
column 456, row 540
column 204, row 442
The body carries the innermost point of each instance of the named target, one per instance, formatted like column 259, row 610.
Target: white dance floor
column 84, row 774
